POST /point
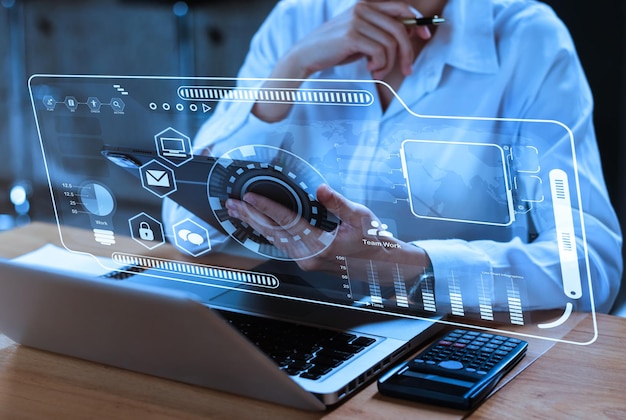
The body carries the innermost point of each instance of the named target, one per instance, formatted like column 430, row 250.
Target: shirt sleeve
column 547, row 83
column 289, row 21
column 232, row 124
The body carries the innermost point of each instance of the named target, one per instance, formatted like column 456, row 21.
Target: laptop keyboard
column 300, row 350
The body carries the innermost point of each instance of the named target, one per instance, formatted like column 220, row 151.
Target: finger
column 292, row 225
column 259, row 222
column 386, row 16
column 248, row 214
column 350, row 213
column 421, row 31
column 277, row 213
column 298, row 239
column 400, row 10
column 378, row 46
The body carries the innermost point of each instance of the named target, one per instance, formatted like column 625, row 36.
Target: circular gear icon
column 286, row 179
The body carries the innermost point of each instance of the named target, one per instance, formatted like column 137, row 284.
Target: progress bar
column 198, row 270
column 272, row 95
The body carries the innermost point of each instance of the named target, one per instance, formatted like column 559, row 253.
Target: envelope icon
column 157, row 178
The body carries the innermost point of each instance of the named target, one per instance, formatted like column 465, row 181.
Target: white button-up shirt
column 491, row 61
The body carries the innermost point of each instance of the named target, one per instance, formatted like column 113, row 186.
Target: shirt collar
column 468, row 36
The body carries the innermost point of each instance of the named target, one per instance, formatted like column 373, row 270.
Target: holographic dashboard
column 117, row 149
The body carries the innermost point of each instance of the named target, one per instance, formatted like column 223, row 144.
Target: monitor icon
column 173, row 146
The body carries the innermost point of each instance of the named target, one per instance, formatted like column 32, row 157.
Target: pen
column 423, row 21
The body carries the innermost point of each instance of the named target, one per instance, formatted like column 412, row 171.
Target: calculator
column 458, row 370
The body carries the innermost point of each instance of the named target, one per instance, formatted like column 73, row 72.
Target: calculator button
column 451, row 364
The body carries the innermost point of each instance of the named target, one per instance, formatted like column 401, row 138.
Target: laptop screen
column 337, row 202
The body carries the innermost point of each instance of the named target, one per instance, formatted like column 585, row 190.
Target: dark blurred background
column 125, row 37
column 210, row 38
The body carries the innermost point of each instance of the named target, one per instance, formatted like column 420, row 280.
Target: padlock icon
column 145, row 232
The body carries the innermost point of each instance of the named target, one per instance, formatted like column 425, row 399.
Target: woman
column 502, row 76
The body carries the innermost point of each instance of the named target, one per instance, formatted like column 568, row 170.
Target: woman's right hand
column 370, row 29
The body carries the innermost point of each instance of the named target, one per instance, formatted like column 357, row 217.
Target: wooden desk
column 567, row 381
column 570, row 381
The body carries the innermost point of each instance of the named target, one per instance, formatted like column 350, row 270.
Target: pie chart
column 97, row 199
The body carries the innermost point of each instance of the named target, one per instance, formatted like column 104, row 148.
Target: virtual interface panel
column 177, row 179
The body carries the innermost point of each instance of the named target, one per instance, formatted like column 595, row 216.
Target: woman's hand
column 354, row 237
column 370, row 29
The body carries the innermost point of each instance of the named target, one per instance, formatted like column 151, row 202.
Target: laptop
column 176, row 302
column 174, row 334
